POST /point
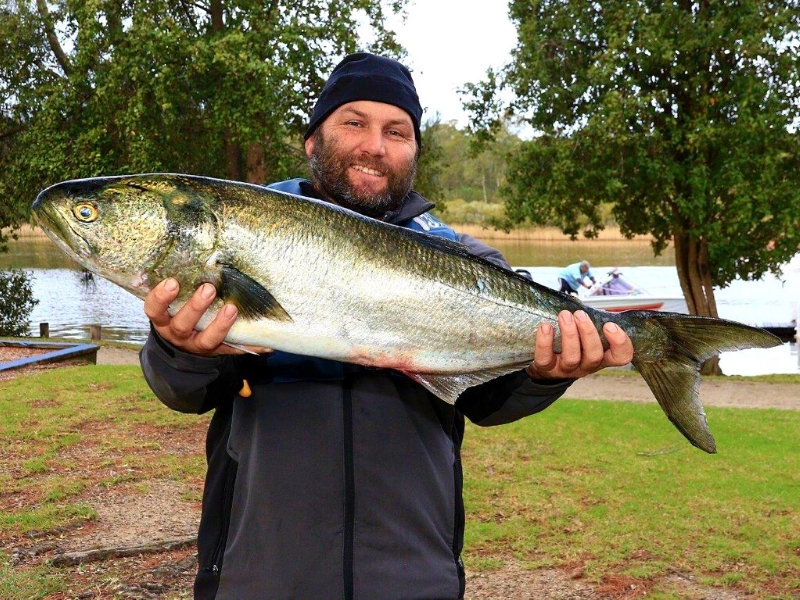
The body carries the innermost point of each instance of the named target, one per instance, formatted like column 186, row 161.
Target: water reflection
column 70, row 303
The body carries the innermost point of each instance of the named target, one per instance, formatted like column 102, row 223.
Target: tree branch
column 55, row 46
column 11, row 131
column 77, row 558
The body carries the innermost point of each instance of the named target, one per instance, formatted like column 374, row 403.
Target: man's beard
column 329, row 170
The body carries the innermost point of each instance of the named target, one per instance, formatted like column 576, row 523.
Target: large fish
column 311, row 278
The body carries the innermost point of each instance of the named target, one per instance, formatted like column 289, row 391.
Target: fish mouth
column 58, row 228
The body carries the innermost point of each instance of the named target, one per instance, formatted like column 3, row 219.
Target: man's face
column 364, row 156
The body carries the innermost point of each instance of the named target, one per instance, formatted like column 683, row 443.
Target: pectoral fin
column 251, row 298
column 450, row 387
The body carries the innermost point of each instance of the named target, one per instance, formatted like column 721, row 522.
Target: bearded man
column 332, row 480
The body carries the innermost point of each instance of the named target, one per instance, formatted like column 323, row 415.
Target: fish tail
column 669, row 354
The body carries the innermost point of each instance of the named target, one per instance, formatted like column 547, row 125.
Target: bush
column 16, row 303
column 461, row 212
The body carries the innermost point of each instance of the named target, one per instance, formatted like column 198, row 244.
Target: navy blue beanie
column 364, row 76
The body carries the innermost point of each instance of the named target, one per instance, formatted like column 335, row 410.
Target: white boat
column 615, row 293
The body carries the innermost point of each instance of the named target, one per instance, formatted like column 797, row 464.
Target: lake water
column 70, row 305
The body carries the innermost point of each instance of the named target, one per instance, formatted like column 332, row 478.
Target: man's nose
column 373, row 142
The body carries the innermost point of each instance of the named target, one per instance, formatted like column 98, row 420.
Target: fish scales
column 311, row 278
column 380, row 286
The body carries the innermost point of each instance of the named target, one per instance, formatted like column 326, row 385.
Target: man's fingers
column 185, row 320
column 570, row 357
column 591, row 346
column 620, row 351
column 212, row 337
column 582, row 349
column 157, row 302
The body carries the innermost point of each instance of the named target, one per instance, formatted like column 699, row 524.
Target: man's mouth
column 367, row 170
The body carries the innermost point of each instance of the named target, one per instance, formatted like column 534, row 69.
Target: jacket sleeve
column 509, row 398
column 513, row 396
column 186, row 382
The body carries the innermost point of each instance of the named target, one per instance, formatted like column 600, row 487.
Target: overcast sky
column 453, row 42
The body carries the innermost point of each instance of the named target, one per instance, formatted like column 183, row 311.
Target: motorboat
column 615, row 293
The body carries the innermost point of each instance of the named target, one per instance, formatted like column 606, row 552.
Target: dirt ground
column 131, row 518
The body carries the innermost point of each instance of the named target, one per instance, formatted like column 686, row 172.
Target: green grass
column 30, row 583
column 614, row 487
column 609, row 486
column 66, row 434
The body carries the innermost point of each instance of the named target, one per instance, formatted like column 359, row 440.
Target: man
column 328, row 480
column 574, row 276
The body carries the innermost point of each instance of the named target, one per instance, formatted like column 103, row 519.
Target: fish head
column 132, row 230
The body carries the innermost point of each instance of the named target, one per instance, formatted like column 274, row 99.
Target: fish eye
column 86, row 212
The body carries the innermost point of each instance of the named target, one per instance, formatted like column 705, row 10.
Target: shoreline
column 482, row 232
column 549, row 234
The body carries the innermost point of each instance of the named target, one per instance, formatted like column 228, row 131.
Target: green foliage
column 17, row 303
column 429, row 167
column 470, row 172
column 473, row 213
column 682, row 116
column 220, row 88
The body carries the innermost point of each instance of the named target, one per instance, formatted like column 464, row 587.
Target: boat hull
column 621, row 303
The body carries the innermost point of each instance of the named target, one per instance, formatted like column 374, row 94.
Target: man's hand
column 581, row 349
column 180, row 330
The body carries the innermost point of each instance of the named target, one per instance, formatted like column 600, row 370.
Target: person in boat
column 574, row 276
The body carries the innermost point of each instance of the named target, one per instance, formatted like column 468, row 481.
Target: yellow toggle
column 245, row 391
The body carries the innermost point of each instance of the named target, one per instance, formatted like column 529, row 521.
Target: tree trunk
column 233, row 158
column 256, row 165
column 233, row 150
column 694, row 274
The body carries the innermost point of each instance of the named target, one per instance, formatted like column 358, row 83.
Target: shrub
column 472, row 213
column 16, row 303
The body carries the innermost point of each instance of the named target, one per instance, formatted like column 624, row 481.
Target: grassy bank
column 27, row 231
column 605, row 488
column 613, row 490
column 549, row 234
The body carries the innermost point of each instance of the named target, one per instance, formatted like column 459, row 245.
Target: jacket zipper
column 349, row 482
column 230, row 477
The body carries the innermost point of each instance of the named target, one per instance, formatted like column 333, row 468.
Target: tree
column 471, row 173
column 429, row 168
column 17, row 304
column 217, row 87
column 681, row 115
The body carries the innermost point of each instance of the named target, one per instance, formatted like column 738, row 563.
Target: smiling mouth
column 367, row 170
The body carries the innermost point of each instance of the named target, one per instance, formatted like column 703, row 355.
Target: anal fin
column 450, row 387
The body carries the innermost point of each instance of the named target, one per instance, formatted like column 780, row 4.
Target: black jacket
column 332, row 480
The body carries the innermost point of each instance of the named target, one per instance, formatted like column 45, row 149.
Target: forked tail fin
column 669, row 350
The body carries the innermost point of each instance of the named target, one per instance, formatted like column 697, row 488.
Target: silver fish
column 312, row 278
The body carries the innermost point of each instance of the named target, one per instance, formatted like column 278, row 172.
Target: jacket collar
column 413, row 204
